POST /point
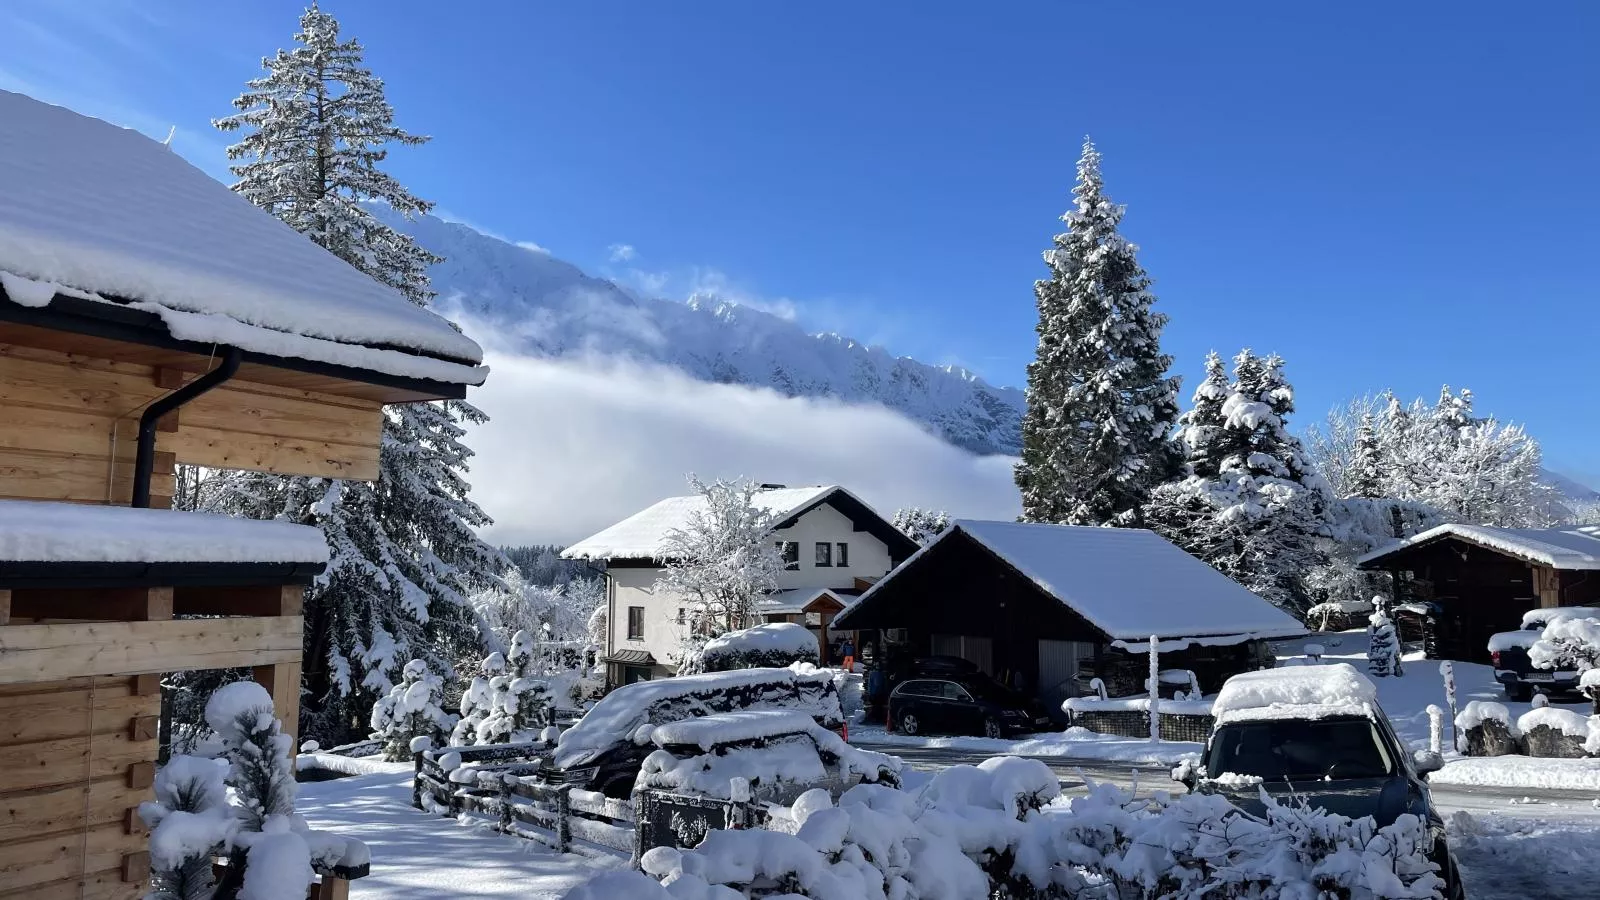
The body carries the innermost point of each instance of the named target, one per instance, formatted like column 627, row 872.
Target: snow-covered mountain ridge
column 543, row 306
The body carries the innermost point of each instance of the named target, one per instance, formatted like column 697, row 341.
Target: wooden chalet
column 1046, row 607
column 1468, row 582
column 150, row 317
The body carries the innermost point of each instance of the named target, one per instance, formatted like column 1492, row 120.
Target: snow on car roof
column 1296, row 692
column 1572, row 547
column 706, row 732
column 103, row 213
column 1128, row 582
column 37, row 531
column 641, row 535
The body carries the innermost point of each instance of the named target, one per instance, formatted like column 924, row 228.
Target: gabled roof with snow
column 1572, row 547
column 642, row 535
column 93, row 212
column 1128, row 582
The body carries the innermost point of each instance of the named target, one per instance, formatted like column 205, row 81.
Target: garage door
column 977, row 650
column 1058, row 663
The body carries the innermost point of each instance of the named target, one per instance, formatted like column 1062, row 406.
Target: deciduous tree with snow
column 314, row 131
column 1100, row 403
column 722, row 559
column 1251, row 505
column 921, row 525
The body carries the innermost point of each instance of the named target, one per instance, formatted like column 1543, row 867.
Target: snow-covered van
column 1508, row 651
column 604, row 750
column 1318, row 733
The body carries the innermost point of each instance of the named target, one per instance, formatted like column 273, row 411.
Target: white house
column 835, row 546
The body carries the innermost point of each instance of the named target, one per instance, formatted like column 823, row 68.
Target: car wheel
column 1519, row 693
column 991, row 728
column 909, row 723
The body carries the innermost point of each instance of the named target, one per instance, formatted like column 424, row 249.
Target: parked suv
column 1317, row 733
column 1508, row 650
column 604, row 750
column 963, row 704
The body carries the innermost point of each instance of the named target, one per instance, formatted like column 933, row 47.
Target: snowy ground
column 1519, row 858
column 417, row 856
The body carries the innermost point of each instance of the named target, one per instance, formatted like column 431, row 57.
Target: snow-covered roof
column 794, row 600
column 641, row 535
column 1296, row 692
column 1128, row 582
column 97, row 212
column 36, row 531
column 1572, row 547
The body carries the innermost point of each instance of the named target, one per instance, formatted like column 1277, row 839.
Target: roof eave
column 112, row 321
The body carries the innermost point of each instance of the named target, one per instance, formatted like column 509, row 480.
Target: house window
column 683, row 614
column 790, row 551
column 635, row 623
column 824, row 555
column 841, row 554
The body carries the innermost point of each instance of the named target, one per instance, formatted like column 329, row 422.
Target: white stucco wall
column 869, row 558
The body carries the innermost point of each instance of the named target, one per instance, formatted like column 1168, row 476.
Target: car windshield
column 1338, row 748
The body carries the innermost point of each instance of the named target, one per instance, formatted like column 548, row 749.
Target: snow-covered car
column 1508, row 651
column 604, row 750
column 1318, row 733
column 774, row 754
column 963, row 704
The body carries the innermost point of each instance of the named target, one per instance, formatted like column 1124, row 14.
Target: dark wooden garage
column 1475, row 580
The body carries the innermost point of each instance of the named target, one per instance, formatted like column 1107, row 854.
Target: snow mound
column 620, row 713
column 773, row 637
column 1563, row 720
column 1538, row 618
column 1336, row 689
column 1477, row 712
column 1521, row 772
column 724, row 728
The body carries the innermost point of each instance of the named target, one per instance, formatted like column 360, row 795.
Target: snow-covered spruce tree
column 1100, row 404
column 1383, row 641
column 722, row 559
column 1257, row 517
column 1365, row 477
column 921, row 525
column 190, row 822
column 261, row 774
column 413, row 708
column 314, row 130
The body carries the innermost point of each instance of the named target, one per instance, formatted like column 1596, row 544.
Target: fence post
column 563, row 813
column 507, row 791
column 416, row 780
column 639, row 828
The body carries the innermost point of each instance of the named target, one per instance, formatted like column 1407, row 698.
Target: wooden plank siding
column 72, row 426
column 33, row 653
column 69, row 750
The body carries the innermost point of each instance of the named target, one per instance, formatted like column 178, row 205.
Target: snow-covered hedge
column 981, row 831
column 1568, row 644
column 773, row 645
column 621, row 713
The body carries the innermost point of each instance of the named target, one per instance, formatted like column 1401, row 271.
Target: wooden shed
column 1475, row 580
column 151, row 317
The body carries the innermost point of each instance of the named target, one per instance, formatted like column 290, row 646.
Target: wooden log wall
column 71, row 424
column 77, row 756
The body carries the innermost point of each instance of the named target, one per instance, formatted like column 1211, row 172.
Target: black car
column 1350, row 765
column 963, row 704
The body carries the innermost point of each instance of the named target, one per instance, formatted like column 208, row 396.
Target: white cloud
column 575, row 445
column 715, row 282
column 530, row 245
column 622, row 252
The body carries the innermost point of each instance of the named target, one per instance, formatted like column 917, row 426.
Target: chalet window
column 824, row 555
column 683, row 614
column 790, row 551
column 635, row 623
column 841, row 554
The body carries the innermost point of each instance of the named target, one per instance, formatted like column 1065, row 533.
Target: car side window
column 953, row 691
column 914, row 689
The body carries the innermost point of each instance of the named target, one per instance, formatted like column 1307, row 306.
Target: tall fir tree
column 1364, row 474
column 1251, row 504
column 1095, row 438
column 405, row 556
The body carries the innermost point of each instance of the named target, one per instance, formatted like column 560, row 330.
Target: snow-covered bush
column 1383, row 647
column 1568, row 644
column 241, row 806
column 981, row 831
column 511, row 699
column 770, row 646
column 413, row 708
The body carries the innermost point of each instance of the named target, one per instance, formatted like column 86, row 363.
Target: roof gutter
column 145, row 461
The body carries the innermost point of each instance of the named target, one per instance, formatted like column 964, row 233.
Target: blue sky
column 1389, row 195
